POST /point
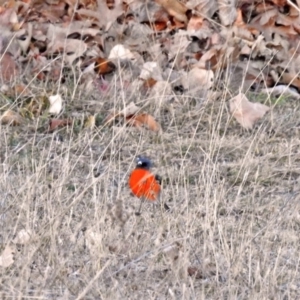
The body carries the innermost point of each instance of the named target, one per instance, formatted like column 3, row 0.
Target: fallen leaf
column 179, row 44
column 149, row 83
column 172, row 251
column 175, row 24
column 290, row 78
column 206, row 7
column 59, row 44
column 21, row 90
column 103, row 66
column 195, row 23
column 143, row 120
column 54, row 12
column 110, row 4
column 175, row 8
column 18, row 90
column 56, row 123
column 280, row 2
column 9, row 19
column 120, row 52
column 90, row 122
column 210, row 59
column 93, row 240
column 158, row 25
column 246, row 112
column 24, row 38
column 227, row 12
column 130, row 109
column 200, row 78
column 22, row 237
column 161, row 93
column 12, row 118
column 134, row 117
column 105, row 16
column 8, row 68
column 149, row 70
column 55, row 104
column 7, row 257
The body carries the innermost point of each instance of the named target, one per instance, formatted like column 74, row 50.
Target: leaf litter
column 246, row 112
column 134, row 117
column 77, row 35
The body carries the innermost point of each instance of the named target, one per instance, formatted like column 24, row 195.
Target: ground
column 232, row 231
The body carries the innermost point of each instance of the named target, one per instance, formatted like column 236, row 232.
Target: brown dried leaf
column 157, row 25
column 7, row 257
column 8, row 18
column 24, row 38
column 12, row 118
column 90, row 122
column 143, row 120
column 54, row 13
column 290, row 78
column 93, row 240
column 131, row 109
column 23, row 237
column 104, row 16
column 246, row 112
column 161, row 93
column 280, row 3
column 21, row 89
column 172, row 251
column 206, row 7
column 210, row 59
column 227, row 11
column 267, row 17
column 104, row 66
column 195, row 23
column 149, row 83
column 18, row 90
column 243, row 30
column 56, row 123
column 200, row 78
column 59, row 44
column 134, row 117
column 175, row 8
column 73, row 49
column 8, row 68
column 271, row 20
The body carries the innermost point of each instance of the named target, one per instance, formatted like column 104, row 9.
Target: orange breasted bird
column 143, row 183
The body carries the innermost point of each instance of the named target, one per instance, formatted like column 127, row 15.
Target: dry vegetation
column 233, row 224
column 67, row 223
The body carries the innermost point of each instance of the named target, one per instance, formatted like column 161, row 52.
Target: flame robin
column 143, row 183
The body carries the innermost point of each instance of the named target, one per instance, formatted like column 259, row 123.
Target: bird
column 143, row 183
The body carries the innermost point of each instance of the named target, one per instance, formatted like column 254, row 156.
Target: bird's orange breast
column 144, row 185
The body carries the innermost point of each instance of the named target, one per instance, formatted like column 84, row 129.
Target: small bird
column 143, row 183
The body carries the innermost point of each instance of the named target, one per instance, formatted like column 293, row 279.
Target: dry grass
column 234, row 198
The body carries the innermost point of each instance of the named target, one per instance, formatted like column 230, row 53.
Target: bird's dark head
column 143, row 163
